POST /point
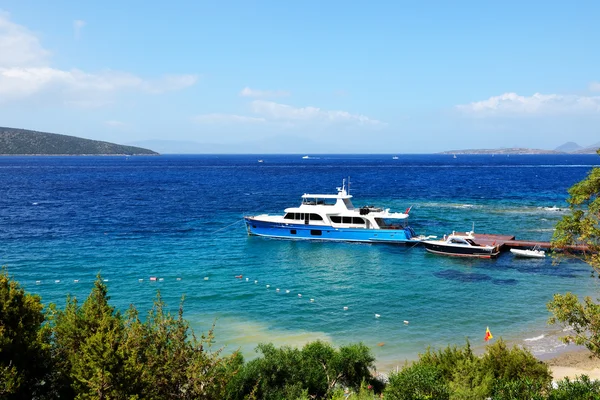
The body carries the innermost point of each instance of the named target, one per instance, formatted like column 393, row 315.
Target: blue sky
column 304, row 77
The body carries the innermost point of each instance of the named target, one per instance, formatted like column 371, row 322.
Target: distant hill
column 512, row 150
column 568, row 147
column 25, row 142
column 564, row 149
column 588, row 150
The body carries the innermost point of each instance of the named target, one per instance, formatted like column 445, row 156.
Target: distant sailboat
column 305, row 157
column 454, row 156
column 260, row 160
column 395, row 158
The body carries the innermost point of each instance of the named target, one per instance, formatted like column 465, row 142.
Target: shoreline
column 572, row 363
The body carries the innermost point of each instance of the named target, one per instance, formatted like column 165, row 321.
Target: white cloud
column 284, row 112
column 538, row 104
column 78, row 25
column 595, row 86
column 226, row 119
column 19, row 46
column 25, row 72
column 28, row 81
column 247, row 92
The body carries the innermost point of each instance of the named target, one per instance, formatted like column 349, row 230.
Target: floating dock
column 507, row 242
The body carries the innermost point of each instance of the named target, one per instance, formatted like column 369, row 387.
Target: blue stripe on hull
column 320, row 232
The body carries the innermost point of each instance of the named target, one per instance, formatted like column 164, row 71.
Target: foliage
column 24, row 342
column 457, row 373
column 419, row 381
column 582, row 224
column 100, row 354
column 526, row 388
column 581, row 389
column 582, row 318
column 315, row 370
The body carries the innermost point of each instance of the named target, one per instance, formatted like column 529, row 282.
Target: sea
column 174, row 224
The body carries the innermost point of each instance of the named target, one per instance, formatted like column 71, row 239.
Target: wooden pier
column 507, row 242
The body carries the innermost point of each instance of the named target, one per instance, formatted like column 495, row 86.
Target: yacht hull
column 324, row 232
column 458, row 251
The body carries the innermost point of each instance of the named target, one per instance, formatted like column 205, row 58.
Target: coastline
column 572, row 363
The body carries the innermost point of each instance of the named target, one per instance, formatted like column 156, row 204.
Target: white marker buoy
column 377, row 315
column 38, row 282
column 312, row 300
column 206, row 278
column 255, row 282
column 299, row 295
column 57, row 281
column 153, row 278
column 287, row 291
column 106, row 280
column 277, row 290
column 247, row 279
column 405, row 322
column 345, row 308
column 140, row 280
column 76, row 280
column 268, row 286
column 178, row 279
column 161, row 279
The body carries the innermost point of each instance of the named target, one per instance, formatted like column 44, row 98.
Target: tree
column 87, row 343
column 24, row 342
column 580, row 227
column 290, row 373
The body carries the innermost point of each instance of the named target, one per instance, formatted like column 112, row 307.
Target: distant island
column 26, row 142
column 567, row 148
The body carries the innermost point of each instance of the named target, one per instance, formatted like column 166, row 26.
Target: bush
column 581, row 389
column 289, row 373
column 24, row 342
column 419, row 381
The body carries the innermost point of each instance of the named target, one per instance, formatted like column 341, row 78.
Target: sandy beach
column 573, row 363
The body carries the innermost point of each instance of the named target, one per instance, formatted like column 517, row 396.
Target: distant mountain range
column 25, row 142
column 567, row 148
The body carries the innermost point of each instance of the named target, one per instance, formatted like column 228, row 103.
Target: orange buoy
column 239, row 276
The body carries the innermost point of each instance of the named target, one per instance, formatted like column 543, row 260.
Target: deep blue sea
column 179, row 219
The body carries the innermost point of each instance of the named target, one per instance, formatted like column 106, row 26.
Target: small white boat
column 395, row 158
column 306, row 157
column 529, row 253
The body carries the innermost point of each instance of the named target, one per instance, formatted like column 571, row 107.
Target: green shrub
column 289, row 373
column 527, row 388
column 580, row 389
column 419, row 381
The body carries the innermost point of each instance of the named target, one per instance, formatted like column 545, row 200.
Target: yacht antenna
column 348, row 185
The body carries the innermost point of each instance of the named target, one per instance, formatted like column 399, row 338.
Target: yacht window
column 289, row 216
column 316, row 232
column 336, row 219
column 347, row 220
column 293, row 231
column 358, row 220
column 390, row 223
column 316, row 217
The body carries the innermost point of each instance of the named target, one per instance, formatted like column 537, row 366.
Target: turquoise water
column 178, row 219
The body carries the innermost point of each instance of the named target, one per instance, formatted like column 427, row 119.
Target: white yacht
column 334, row 217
